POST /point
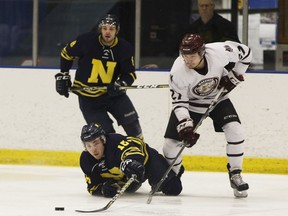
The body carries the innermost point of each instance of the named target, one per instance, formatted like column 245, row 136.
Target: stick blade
column 91, row 211
column 149, row 199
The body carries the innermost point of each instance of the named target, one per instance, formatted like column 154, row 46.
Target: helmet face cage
column 92, row 131
column 109, row 19
column 192, row 43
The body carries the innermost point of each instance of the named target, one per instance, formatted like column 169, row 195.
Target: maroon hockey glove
column 230, row 81
column 185, row 130
column 63, row 83
column 130, row 167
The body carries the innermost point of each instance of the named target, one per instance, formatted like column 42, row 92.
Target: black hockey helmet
column 109, row 19
column 192, row 43
column 92, row 131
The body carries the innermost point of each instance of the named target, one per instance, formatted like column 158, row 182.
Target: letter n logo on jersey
column 98, row 70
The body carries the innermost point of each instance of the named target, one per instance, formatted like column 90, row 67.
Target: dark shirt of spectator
column 211, row 26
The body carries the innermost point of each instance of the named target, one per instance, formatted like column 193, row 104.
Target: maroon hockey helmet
column 192, row 43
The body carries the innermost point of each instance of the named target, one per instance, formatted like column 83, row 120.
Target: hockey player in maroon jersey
column 109, row 160
column 195, row 78
column 103, row 59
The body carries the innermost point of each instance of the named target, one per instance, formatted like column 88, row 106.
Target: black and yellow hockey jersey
column 117, row 149
column 98, row 64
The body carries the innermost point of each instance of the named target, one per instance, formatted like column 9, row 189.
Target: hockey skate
column 181, row 171
column 239, row 186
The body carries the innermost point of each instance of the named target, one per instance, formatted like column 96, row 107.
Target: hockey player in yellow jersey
column 109, row 160
column 104, row 59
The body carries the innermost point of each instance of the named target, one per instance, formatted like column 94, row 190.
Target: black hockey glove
column 63, row 83
column 185, row 130
column 114, row 88
column 230, row 81
column 110, row 188
column 130, row 167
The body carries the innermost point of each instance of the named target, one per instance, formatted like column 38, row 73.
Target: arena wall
column 38, row 126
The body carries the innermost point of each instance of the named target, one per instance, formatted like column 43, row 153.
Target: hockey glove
column 185, row 130
column 110, row 188
column 130, row 167
column 63, row 83
column 114, row 88
column 230, row 81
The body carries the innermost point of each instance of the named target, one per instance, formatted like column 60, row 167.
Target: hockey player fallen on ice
column 195, row 79
column 109, row 160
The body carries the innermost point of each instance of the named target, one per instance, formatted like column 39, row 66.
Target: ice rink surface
column 37, row 190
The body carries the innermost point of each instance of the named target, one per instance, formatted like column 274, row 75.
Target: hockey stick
column 154, row 190
column 123, row 189
column 93, row 88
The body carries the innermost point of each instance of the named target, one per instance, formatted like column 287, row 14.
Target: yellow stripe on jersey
column 92, row 189
column 72, row 43
column 133, row 150
column 87, row 179
column 87, row 93
column 136, row 140
column 113, row 173
column 140, row 149
column 65, row 55
column 133, row 75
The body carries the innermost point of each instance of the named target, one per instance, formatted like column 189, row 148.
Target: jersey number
column 175, row 95
column 123, row 144
column 241, row 52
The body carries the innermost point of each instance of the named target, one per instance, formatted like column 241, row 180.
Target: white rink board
column 34, row 116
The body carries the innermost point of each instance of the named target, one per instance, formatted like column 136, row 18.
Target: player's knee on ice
column 173, row 187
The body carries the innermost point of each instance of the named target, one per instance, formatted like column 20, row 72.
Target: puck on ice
column 59, row 208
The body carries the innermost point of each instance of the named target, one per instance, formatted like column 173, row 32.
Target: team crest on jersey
column 228, row 48
column 206, row 86
column 106, row 54
column 102, row 166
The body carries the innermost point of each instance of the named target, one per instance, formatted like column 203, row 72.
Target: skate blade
column 240, row 194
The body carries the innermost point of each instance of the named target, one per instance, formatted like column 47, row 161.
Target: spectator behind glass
column 211, row 26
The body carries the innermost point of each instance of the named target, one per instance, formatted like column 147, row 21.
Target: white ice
column 37, row 190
